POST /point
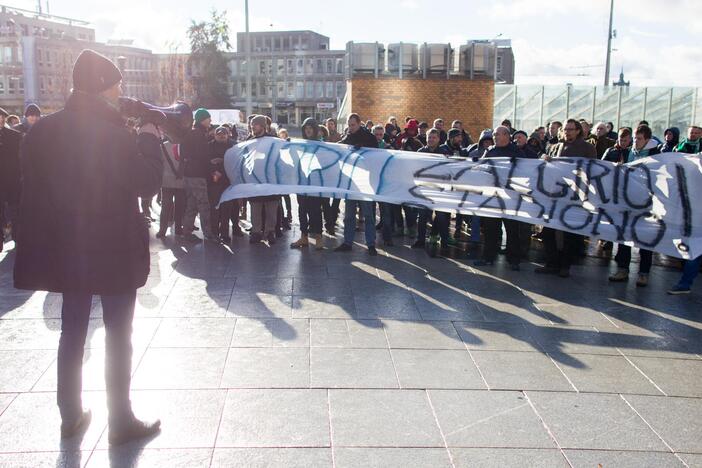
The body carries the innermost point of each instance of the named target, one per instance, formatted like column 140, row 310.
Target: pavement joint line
column 564, row 374
column 392, row 358
column 475, row 363
column 219, row 425
column 653, row 430
column 438, row 425
column 548, row 429
column 642, row 372
column 331, row 428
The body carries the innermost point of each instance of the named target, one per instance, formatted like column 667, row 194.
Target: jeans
column 691, row 269
column 623, row 258
column 368, row 214
column 309, row 211
column 118, row 313
column 172, row 209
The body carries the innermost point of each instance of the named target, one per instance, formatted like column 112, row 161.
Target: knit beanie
column 94, row 73
column 200, row 115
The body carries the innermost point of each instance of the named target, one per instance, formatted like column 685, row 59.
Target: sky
column 554, row 42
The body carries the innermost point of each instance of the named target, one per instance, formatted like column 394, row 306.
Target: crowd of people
column 194, row 180
column 70, row 184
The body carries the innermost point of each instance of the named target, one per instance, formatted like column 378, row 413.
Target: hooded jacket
column 666, row 147
column 310, row 122
column 616, row 154
column 650, row 149
column 476, row 151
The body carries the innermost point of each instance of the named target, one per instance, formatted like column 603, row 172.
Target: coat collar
column 80, row 101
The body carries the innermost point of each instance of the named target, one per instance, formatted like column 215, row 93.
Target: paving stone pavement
column 262, row 356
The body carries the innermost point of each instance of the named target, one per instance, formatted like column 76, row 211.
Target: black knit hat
column 94, row 73
column 32, row 109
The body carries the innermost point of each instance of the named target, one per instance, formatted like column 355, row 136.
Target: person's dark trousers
column 491, row 245
column 288, row 207
column 559, row 247
column 331, row 212
column 518, row 237
column 172, row 208
column 234, row 213
column 214, row 193
column 424, row 217
column 224, row 214
column 386, row 220
column 309, row 210
column 117, row 313
column 397, row 218
column 623, row 259
column 410, row 216
column 146, row 206
column 440, row 226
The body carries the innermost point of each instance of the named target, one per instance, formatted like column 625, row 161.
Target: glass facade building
column 529, row 106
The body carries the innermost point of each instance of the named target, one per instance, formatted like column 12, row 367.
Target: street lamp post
column 247, row 45
column 609, row 43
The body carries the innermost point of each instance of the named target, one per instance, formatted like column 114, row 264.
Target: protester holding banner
column 309, row 207
column 358, row 136
column 693, row 143
column 264, row 209
column 172, row 192
column 10, row 185
column 561, row 246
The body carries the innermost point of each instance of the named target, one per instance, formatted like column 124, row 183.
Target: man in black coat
column 32, row 114
column 80, row 233
column 9, row 175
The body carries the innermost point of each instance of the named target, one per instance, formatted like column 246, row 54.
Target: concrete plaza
column 262, row 356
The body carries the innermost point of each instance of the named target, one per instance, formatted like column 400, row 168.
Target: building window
column 8, row 54
column 244, row 91
column 339, row 89
column 320, row 68
column 309, row 89
column 233, row 66
column 330, row 89
column 310, row 66
column 291, row 67
column 330, row 66
column 262, row 67
column 11, row 85
column 2, row 85
column 498, row 67
column 21, row 85
column 281, row 90
column 286, row 43
column 339, row 66
column 299, row 89
column 280, row 67
column 300, row 66
column 319, row 90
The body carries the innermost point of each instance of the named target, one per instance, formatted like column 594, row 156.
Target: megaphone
column 175, row 120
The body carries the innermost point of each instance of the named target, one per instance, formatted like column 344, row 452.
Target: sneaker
column 372, row 251
column 677, row 289
column 546, row 270
column 133, row 430
column 483, row 262
column 434, row 240
column 420, row 244
column 343, row 248
column 76, row 427
column 642, row 280
column 620, row 276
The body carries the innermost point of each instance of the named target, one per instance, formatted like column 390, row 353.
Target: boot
column 619, row 276
column 303, row 241
column 642, row 280
column 318, row 242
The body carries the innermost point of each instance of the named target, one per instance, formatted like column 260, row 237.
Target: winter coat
column 362, row 138
column 79, row 227
column 195, row 153
column 578, row 148
column 171, row 179
column 449, row 150
column 441, row 149
column 9, row 165
column 666, row 147
column 616, row 154
column 689, row 147
column 602, row 144
column 651, row 149
column 509, row 151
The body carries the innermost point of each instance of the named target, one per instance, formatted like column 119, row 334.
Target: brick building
column 457, row 98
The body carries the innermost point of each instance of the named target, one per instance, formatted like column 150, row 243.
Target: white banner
column 648, row 204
